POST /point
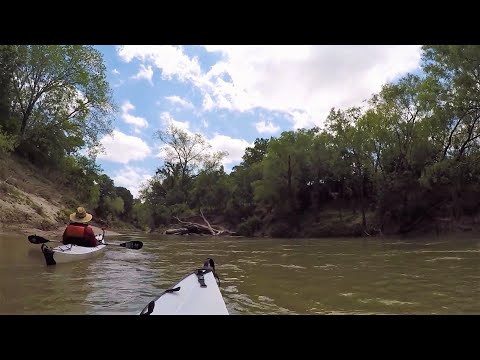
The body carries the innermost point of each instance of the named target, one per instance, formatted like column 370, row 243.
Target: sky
column 233, row 94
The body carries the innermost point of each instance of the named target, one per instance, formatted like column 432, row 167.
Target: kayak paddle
column 135, row 245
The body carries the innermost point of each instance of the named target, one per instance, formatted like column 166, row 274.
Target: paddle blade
column 35, row 239
column 136, row 245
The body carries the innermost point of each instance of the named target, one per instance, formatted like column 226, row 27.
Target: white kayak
column 196, row 294
column 68, row 253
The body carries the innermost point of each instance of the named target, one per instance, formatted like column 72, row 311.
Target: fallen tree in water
column 199, row 229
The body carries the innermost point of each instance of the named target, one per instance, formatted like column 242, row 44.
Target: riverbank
column 332, row 223
column 32, row 204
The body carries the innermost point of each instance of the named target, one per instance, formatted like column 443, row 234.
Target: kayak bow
column 196, row 294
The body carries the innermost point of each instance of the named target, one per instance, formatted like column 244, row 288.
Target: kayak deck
column 196, row 294
column 68, row 253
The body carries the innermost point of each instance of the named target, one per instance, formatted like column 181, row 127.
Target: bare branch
column 213, row 232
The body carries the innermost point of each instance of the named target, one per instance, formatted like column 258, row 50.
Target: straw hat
column 81, row 216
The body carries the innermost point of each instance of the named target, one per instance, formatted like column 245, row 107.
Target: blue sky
column 232, row 94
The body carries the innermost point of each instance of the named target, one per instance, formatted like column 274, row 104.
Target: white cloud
column 266, row 127
column 234, row 147
column 307, row 80
column 122, row 148
column 171, row 60
column 115, row 72
column 178, row 100
column 301, row 119
column 205, row 123
column 137, row 121
column 167, row 119
column 127, row 106
column 208, row 103
column 131, row 178
column 304, row 81
column 144, row 73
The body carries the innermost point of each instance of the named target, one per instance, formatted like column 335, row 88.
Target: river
column 258, row 276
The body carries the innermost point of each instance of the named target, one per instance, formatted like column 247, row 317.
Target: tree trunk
column 362, row 203
column 25, row 118
column 456, row 205
column 289, row 174
column 209, row 226
column 199, row 228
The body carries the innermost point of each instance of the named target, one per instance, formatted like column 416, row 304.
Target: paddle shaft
column 122, row 244
column 134, row 244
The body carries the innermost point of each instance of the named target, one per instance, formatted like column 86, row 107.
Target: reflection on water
column 258, row 276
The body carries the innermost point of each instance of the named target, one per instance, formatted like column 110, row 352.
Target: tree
column 62, row 87
column 210, row 190
column 286, row 172
column 187, row 151
column 155, row 199
column 127, row 198
column 80, row 174
column 455, row 71
column 328, row 172
column 141, row 215
column 8, row 63
column 353, row 148
column 107, row 196
column 256, row 153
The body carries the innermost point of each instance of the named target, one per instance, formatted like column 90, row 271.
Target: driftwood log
column 195, row 228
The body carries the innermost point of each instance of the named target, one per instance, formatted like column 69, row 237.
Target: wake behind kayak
column 196, row 294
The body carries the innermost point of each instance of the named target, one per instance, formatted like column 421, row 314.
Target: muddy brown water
column 258, row 276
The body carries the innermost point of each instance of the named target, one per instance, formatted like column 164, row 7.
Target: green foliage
column 127, row 198
column 178, row 210
column 114, row 205
column 8, row 63
column 54, row 101
column 249, row 226
column 255, row 154
column 210, row 189
column 80, row 175
column 7, row 144
column 61, row 98
column 141, row 215
column 184, row 154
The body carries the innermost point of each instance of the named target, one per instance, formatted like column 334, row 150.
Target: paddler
column 78, row 232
